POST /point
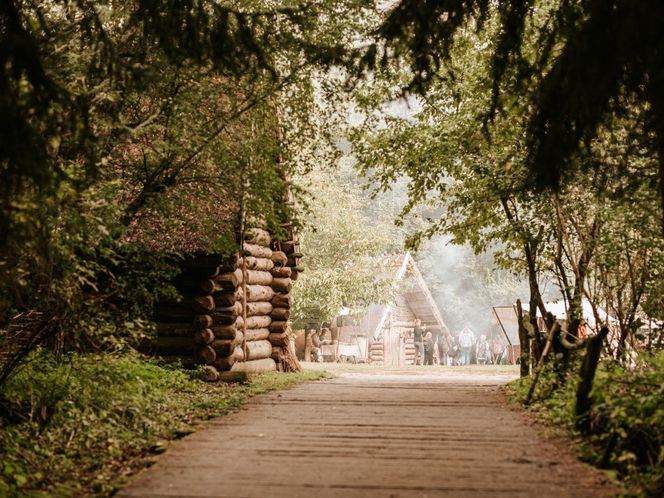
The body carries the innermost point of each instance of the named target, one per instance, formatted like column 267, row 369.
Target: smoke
column 466, row 286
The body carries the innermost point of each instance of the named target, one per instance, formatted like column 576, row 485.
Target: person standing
column 466, row 341
column 497, row 349
column 482, row 351
column 428, row 346
column 444, row 343
column 417, row 341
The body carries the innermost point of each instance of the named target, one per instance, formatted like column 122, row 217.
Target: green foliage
column 627, row 421
column 597, row 237
column 576, row 64
column 341, row 245
column 137, row 128
column 77, row 426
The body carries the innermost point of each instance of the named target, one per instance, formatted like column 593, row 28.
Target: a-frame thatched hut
column 384, row 332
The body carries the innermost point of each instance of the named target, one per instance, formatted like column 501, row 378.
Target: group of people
column 457, row 349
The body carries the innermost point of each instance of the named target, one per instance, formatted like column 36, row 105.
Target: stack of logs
column 376, row 350
column 410, row 351
column 211, row 324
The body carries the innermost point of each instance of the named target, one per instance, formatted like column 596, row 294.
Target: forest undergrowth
column 81, row 426
column 627, row 420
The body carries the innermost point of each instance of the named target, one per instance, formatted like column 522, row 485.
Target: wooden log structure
column 257, row 350
column 203, row 337
column 227, row 362
column 258, row 277
column 257, row 334
column 257, row 251
column 279, row 259
column 256, row 366
column 224, row 331
column 205, row 355
column 210, row 325
column 258, row 236
column 257, row 293
column 202, row 321
column 280, row 314
column 279, row 339
column 224, row 300
column 278, row 327
column 259, row 308
column 262, row 264
column 283, row 272
column 186, row 361
column 258, row 322
column 282, row 285
column 281, row 301
column 177, row 329
column 169, row 345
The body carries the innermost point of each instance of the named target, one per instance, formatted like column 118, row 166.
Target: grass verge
column 627, row 420
column 80, row 426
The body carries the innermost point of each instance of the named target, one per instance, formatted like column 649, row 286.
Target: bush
column 77, row 426
column 627, row 420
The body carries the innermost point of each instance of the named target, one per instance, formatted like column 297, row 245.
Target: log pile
column 234, row 312
column 410, row 351
column 376, row 350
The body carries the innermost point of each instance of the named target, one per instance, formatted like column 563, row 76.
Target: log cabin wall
column 399, row 323
column 212, row 326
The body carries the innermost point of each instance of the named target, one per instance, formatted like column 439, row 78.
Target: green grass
column 80, row 426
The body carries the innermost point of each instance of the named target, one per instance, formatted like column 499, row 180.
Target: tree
column 477, row 185
column 341, row 244
column 577, row 64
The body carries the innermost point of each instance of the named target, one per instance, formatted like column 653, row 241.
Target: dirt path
column 364, row 435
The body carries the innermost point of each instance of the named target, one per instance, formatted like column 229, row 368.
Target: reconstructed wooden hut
column 235, row 311
column 384, row 333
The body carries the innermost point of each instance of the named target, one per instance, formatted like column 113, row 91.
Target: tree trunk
column 307, row 345
column 587, row 377
column 524, row 340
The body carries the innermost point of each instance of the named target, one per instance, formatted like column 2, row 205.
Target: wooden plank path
column 364, row 435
